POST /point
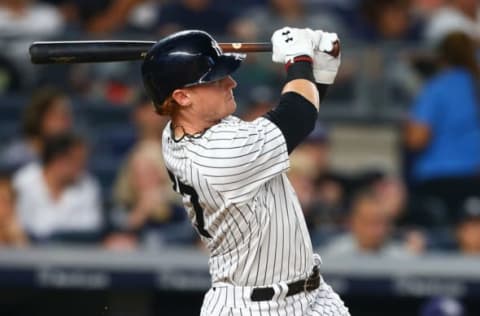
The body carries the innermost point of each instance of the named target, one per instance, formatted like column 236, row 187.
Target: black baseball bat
column 70, row 52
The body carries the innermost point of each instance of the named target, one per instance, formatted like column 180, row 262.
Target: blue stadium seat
column 11, row 107
column 114, row 139
column 9, row 130
column 99, row 114
column 105, row 169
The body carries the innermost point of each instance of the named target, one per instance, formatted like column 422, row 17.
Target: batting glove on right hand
column 289, row 43
column 325, row 66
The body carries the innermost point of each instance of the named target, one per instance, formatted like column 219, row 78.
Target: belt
column 305, row 285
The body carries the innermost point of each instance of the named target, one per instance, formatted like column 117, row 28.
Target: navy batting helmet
column 185, row 59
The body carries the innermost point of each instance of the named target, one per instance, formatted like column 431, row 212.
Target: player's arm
column 307, row 80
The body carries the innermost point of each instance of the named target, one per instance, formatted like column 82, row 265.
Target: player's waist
column 275, row 291
column 270, row 292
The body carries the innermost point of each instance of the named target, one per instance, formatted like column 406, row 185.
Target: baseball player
column 231, row 173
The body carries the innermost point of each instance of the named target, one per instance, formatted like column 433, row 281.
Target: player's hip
column 236, row 301
column 303, row 297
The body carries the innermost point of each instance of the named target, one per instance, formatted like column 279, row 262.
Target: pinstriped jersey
column 232, row 179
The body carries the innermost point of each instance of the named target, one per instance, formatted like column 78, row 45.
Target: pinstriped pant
column 228, row 300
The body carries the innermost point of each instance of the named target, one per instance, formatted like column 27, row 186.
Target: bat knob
column 336, row 49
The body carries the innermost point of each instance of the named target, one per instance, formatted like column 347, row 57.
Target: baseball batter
column 231, row 173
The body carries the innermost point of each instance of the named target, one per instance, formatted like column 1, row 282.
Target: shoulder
column 87, row 188
column 234, row 141
column 17, row 148
column 445, row 80
column 234, row 126
column 89, row 182
column 341, row 245
column 235, row 134
column 29, row 175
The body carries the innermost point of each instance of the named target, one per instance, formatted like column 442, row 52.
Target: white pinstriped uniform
column 234, row 187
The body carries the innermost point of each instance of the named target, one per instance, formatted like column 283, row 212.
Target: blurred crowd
column 80, row 145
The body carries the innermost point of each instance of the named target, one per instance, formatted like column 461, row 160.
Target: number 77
column 189, row 191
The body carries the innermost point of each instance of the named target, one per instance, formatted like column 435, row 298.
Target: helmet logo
column 217, row 48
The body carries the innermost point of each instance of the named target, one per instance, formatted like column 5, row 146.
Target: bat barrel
column 88, row 51
column 109, row 51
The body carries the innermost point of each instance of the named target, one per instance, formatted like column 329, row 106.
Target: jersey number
column 190, row 191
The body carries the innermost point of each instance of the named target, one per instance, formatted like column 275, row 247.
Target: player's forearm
column 300, row 80
column 297, row 110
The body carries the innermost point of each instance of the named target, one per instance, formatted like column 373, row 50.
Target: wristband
column 300, row 68
column 297, row 59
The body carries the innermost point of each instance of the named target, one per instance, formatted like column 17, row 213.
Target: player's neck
column 182, row 126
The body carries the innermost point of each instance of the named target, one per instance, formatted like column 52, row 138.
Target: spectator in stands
column 468, row 227
column 321, row 196
column 47, row 114
column 194, row 14
column 143, row 190
column 302, row 175
column 258, row 22
column 370, row 231
column 454, row 16
column 388, row 20
column 57, row 199
column 10, row 78
column 331, row 193
column 317, row 146
column 98, row 17
column 444, row 129
column 391, row 194
column 27, row 18
column 11, row 234
column 426, row 7
column 261, row 100
column 112, row 18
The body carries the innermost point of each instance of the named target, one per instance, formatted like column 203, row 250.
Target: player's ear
column 182, row 97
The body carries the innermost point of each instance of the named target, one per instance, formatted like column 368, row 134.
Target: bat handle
column 246, row 47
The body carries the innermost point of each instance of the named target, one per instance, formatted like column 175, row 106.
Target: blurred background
column 389, row 180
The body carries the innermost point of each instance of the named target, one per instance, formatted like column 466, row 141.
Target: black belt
column 305, row 285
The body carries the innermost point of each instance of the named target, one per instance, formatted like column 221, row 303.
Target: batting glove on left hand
column 325, row 66
column 289, row 42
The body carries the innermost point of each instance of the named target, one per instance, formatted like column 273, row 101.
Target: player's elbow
column 305, row 88
column 295, row 116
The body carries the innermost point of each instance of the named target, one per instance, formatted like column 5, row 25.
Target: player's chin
column 231, row 106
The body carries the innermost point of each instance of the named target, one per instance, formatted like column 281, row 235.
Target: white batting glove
column 289, row 43
column 325, row 66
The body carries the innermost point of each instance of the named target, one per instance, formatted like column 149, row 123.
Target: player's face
column 214, row 101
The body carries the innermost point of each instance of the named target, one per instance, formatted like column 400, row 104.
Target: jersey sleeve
column 237, row 158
